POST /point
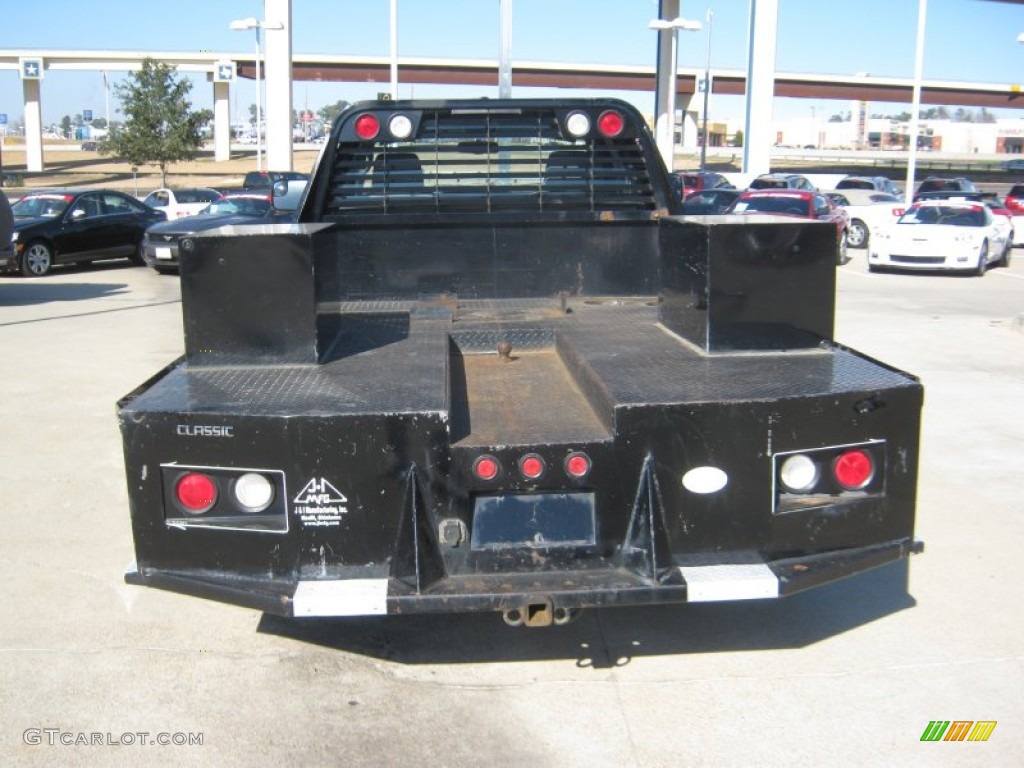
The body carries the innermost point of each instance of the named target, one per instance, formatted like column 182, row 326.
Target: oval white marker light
column 798, row 473
column 253, row 492
column 705, row 480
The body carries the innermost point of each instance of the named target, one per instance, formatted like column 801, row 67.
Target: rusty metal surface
column 530, row 398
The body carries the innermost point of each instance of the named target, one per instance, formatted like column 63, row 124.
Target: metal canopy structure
column 728, row 82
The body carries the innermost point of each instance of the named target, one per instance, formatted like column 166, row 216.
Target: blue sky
column 967, row 40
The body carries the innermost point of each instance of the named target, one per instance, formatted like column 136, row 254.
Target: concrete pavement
column 849, row 674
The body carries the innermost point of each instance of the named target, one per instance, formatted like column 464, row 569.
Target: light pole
column 666, row 125
column 915, row 105
column 707, row 91
column 393, row 38
column 253, row 23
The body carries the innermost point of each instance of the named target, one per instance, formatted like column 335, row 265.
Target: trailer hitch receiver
column 539, row 612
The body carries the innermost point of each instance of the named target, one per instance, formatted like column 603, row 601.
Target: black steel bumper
column 558, row 592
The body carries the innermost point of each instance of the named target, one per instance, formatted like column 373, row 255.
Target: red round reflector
column 577, row 464
column 486, row 467
column 532, row 466
column 610, row 123
column 367, row 127
column 196, row 492
column 853, row 469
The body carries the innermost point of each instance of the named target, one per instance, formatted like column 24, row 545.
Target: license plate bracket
column 533, row 521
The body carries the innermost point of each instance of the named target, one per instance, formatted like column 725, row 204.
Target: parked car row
column 61, row 226
column 974, row 230
column 779, row 194
column 950, row 226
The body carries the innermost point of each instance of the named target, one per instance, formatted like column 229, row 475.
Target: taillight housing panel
column 827, row 476
column 227, row 498
column 383, row 125
column 514, row 469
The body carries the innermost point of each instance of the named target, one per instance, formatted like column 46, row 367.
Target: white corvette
column 943, row 234
column 869, row 210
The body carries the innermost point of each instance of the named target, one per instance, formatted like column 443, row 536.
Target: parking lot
column 849, row 674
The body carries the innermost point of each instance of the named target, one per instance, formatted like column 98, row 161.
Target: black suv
column 935, row 184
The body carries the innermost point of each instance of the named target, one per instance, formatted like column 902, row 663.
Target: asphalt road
column 849, row 674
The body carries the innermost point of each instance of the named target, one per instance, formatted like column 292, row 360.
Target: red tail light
column 367, row 127
column 898, row 211
column 577, row 465
column 853, row 469
column 531, row 466
column 610, row 123
column 196, row 492
column 486, row 467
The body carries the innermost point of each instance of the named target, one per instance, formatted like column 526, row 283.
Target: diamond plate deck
column 391, row 357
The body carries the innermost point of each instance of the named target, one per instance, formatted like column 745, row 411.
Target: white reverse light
column 799, row 473
column 400, row 127
column 578, row 124
column 253, row 492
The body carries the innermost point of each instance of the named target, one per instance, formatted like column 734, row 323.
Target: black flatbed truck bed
column 684, row 360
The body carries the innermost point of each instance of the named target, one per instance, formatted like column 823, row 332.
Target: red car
column 799, row 203
column 688, row 182
column 1015, row 200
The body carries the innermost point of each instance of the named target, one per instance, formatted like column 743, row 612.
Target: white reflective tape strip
column 350, row 597
column 745, row 581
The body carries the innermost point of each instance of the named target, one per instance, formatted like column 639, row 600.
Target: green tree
column 737, row 139
column 328, row 112
column 160, row 126
column 65, row 126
